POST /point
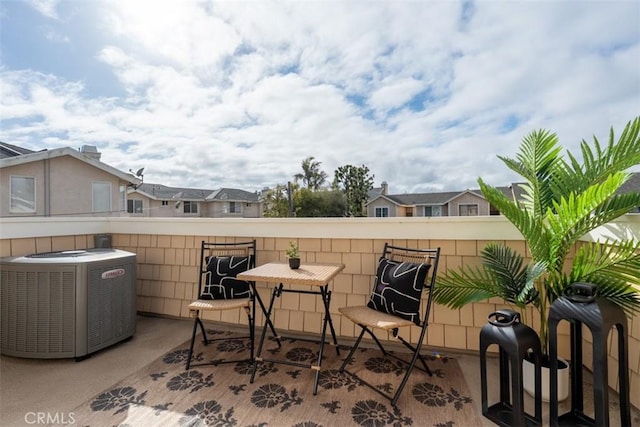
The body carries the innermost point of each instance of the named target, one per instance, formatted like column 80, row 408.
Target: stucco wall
column 382, row 203
column 468, row 199
column 68, row 182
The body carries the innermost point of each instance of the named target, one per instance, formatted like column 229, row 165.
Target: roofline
column 67, row 151
column 464, row 192
column 386, row 197
column 189, row 199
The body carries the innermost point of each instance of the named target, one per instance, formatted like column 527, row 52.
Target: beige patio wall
column 167, row 279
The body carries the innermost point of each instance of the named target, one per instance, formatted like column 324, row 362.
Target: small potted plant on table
column 293, row 255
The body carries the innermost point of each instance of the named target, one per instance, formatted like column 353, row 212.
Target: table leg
column 326, row 299
column 267, row 323
column 327, row 315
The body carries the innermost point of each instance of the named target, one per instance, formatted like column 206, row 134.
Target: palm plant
column 312, row 177
column 562, row 201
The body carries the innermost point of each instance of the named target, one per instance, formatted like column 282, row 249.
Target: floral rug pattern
column 163, row 393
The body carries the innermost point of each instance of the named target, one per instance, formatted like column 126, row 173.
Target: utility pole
column 290, row 199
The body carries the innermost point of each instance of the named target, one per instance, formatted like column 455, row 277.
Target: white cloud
column 45, row 7
column 237, row 94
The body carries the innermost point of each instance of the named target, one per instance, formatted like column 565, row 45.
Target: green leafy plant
column 562, row 201
column 292, row 251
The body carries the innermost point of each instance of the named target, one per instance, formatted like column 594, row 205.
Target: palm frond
column 617, row 156
column 578, row 214
column 457, row 288
column 538, row 156
column 618, row 260
column 524, row 220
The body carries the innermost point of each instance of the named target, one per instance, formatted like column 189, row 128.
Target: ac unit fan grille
column 39, row 311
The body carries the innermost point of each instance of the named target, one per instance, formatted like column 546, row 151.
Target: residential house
column 450, row 203
column 62, row 181
column 156, row 200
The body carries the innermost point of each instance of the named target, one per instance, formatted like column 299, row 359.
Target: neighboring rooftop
column 9, row 150
column 163, row 192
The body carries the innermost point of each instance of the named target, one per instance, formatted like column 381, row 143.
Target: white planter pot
column 529, row 380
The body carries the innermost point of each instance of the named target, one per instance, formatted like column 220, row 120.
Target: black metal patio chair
column 219, row 290
column 402, row 276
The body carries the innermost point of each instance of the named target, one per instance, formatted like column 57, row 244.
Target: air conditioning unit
column 68, row 303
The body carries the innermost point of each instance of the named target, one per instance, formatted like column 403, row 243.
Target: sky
column 211, row 94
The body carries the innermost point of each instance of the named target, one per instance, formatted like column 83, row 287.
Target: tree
column 563, row 201
column 312, row 177
column 276, row 204
column 355, row 183
column 325, row 203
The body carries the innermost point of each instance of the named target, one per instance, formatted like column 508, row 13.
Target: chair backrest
column 210, row 252
column 430, row 257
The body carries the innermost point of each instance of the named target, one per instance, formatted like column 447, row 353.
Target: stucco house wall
column 468, row 199
column 64, row 184
column 220, row 209
column 382, row 203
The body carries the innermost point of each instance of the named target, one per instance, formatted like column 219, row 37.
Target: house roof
column 633, row 184
column 163, row 192
column 35, row 156
column 414, row 199
column 233, row 194
column 9, row 150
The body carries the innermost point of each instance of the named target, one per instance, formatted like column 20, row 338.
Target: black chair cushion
column 398, row 288
column 220, row 278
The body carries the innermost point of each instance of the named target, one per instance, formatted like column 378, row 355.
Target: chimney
column 385, row 188
column 91, row 151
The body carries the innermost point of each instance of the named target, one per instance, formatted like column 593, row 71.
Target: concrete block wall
column 168, row 269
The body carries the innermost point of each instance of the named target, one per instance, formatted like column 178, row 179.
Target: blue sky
column 206, row 94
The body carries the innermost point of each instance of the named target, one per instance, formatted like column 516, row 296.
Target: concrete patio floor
column 57, row 386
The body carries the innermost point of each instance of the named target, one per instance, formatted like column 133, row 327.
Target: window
column 164, row 203
column 190, row 207
column 22, row 194
column 468, row 210
column 101, row 196
column 233, row 207
column 123, row 197
column 433, row 211
column 134, row 206
column 382, row 212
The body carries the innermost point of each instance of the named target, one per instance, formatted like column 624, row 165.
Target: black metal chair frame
column 397, row 253
column 227, row 249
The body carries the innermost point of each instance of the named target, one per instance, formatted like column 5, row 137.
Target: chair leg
column 414, row 359
column 251, row 318
column 353, row 350
column 377, row 341
column 204, row 332
column 193, row 338
column 413, row 350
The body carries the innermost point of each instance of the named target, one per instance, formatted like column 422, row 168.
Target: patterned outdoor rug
column 164, row 394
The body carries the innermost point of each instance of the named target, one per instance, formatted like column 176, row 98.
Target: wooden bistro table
column 311, row 275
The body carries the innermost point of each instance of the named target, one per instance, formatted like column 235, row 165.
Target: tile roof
column 233, row 194
column 10, row 150
column 159, row 191
column 633, row 184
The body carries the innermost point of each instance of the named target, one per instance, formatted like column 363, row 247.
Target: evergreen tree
column 355, row 182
